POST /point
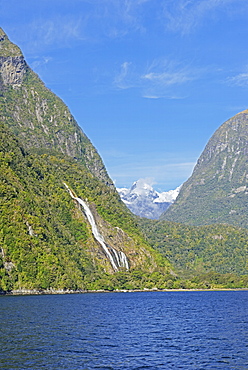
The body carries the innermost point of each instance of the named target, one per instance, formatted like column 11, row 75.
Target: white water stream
column 117, row 259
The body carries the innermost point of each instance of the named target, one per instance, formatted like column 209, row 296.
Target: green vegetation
column 140, row 280
column 40, row 119
column 7, row 48
column 45, row 239
column 41, row 243
column 195, row 251
column 217, row 190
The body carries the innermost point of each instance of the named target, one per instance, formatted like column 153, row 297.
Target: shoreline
column 27, row 292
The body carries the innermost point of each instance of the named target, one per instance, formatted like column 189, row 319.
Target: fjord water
column 139, row 330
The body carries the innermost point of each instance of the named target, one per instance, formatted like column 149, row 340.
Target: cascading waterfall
column 117, row 259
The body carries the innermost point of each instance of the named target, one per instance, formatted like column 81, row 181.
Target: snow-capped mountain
column 144, row 201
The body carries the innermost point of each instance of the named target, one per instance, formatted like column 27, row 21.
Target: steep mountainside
column 217, row 191
column 144, row 201
column 63, row 225
column 37, row 116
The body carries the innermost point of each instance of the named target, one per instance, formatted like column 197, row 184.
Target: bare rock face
column 217, row 190
column 12, row 70
column 12, row 64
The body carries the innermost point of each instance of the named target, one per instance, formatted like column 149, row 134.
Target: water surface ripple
column 145, row 330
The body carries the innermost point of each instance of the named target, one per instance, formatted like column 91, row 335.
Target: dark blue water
column 151, row 330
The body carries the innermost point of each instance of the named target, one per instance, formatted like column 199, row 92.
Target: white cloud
column 145, row 181
column 38, row 63
column 240, row 79
column 123, row 79
column 58, row 29
column 184, row 15
column 117, row 18
column 167, row 78
column 157, row 80
column 147, row 96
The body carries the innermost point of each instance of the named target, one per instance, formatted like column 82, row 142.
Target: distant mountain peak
column 144, row 201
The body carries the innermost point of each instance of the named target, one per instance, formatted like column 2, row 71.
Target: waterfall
column 117, row 259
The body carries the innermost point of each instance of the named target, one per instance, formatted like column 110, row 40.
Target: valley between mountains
column 63, row 223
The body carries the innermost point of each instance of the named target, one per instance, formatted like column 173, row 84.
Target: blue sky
column 149, row 81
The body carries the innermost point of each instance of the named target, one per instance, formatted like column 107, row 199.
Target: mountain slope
column 217, row 191
column 48, row 169
column 199, row 250
column 46, row 240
